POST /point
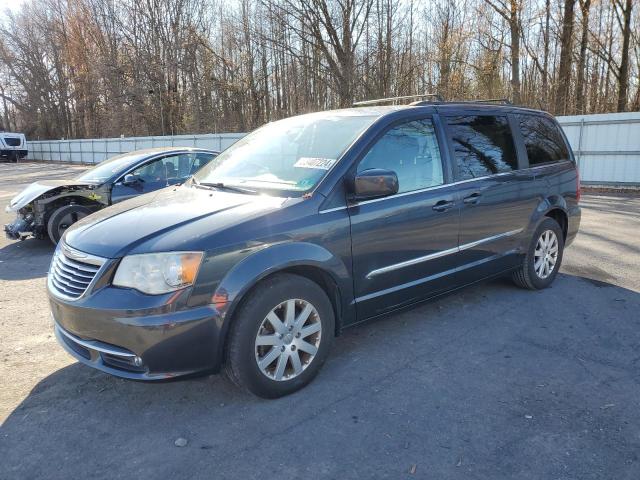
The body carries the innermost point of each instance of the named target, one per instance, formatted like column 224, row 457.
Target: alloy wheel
column 545, row 254
column 288, row 339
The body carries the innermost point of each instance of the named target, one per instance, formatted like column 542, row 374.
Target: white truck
column 13, row 146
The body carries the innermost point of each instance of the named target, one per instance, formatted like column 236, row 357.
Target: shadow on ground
column 493, row 382
column 33, row 259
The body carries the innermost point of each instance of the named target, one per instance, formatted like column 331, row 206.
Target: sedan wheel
column 62, row 218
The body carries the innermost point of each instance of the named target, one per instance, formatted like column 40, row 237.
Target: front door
column 498, row 199
column 159, row 173
column 404, row 247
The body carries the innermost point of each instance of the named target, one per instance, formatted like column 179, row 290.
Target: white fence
column 606, row 146
column 95, row 150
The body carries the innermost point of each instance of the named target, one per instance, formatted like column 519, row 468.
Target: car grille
column 12, row 142
column 72, row 272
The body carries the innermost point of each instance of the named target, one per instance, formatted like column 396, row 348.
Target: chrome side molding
column 441, row 253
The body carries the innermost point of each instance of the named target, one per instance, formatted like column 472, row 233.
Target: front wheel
column 544, row 256
column 62, row 218
column 280, row 337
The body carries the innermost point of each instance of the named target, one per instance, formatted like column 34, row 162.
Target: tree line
column 99, row 68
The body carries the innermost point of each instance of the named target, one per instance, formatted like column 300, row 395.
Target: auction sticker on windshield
column 314, row 162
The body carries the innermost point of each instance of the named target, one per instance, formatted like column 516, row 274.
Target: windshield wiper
column 222, row 186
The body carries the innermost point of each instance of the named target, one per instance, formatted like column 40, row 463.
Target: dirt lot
column 492, row 382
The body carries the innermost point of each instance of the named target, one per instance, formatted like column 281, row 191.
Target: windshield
column 290, row 155
column 108, row 168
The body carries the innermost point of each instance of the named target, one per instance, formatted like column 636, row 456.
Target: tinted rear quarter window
column 542, row 139
column 483, row 145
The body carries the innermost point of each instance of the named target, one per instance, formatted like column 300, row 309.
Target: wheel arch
column 554, row 207
column 307, row 260
column 53, row 204
column 560, row 216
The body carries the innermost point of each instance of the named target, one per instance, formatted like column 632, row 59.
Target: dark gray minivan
column 309, row 225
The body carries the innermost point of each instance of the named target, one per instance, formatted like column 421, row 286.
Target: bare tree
column 89, row 68
column 623, row 78
column 585, row 6
column 566, row 46
column 511, row 13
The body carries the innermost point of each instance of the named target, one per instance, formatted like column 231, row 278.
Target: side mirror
column 375, row 183
column 129, row 179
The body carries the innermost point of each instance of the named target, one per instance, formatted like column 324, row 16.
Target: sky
column 11, row 4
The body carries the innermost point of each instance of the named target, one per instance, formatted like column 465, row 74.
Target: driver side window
column 153, row 172
column 166, row 169
column 411, row 151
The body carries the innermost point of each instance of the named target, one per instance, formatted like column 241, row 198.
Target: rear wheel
column 280, row 337
column 62, row 218
column 544, row 256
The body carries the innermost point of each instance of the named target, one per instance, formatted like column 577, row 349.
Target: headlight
column 156, row 273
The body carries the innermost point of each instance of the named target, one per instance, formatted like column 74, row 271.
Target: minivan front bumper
column 146, row 344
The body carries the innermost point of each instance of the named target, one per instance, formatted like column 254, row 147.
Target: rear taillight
column 577, row 185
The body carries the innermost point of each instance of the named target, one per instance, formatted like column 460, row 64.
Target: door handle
column 473, row 198
column 442, row 205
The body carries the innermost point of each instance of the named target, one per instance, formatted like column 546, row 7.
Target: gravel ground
column 491, row 382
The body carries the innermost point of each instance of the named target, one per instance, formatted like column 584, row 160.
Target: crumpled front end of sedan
column 23, row 226
column 35, row 204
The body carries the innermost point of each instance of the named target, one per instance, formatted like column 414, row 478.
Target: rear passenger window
column 483, row 145
column 542, row 139
column 411, row 150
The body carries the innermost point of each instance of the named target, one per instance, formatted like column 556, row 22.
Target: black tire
column 14, row 157
column 241, row 360
column 63, row 218
column 525, row 276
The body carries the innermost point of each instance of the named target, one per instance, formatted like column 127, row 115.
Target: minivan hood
column 36, row 189
column 174, row 218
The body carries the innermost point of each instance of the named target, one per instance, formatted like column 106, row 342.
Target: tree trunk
column 566, row 46
column 545, row 63
column 580, row 103
column 623, row 80
column 514, row 27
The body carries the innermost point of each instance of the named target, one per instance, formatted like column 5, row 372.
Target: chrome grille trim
column 64, row 269
column 72, row 272
column 97, row 345
column 77, row 265
column 74, row 254
column 66, row 279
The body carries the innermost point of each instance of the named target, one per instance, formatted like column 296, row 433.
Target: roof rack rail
column 504, row 101
column 377, row 101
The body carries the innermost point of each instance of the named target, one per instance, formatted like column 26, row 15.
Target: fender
column 544, row 207
column 252, row 269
